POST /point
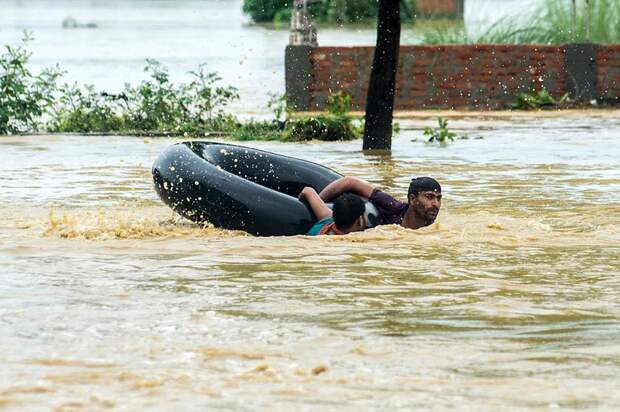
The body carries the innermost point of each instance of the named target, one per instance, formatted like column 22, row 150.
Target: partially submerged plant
column 24, row 96
column 338, row 104
column 336, row 125
column 538, row 100
column 84, row 110
column 441, row 134
column 156, row 105
column 326, row 128
column 278, row 103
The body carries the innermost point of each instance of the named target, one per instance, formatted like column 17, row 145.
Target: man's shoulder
column 379, row 196
column 391, row 211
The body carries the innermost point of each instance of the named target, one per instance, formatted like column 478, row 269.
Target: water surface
column 509, row 301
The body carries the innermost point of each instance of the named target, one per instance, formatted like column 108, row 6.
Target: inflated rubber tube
column 239, row 188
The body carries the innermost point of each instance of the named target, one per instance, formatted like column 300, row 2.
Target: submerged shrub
column 328, row 128
column 155, row 105
column 24, row 97
column 258, row 130
column 158, row 104
column 338, row 104
column 441, row 134
column 538, row 100
column 84, row 110
column 336, row 125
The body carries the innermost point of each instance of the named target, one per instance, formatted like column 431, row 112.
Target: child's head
column 349, row 213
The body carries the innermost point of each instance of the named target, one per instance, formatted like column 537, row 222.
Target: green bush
column 336, row 125
column 156, row 105
column 325, row 11
column 84, row 110
column 323, row 127
column 441, row 134
column 258, row 130
column 265, row 10
column 24, row 97
column 343, row 11
column 338, row 104
column 538, row 100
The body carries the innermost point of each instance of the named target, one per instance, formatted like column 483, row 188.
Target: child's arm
column 321, row 211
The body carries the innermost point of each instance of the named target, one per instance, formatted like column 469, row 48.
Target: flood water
column 510, row 300
column 181, row 34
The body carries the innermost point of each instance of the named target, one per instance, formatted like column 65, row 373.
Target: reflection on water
column 111, row 301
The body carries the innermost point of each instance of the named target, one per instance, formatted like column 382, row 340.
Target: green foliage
column 343, row 11
column 441, row 134
column 338, row 104
column 265, row 10
column 156, row 105
column 595, row 21
column 502, row 32
column 323, row 11
column 323, row 127
column 279, row 106
column 24, row 97
column 537, row 100
column 85, row 110
column 336, row 125
column 267, row 130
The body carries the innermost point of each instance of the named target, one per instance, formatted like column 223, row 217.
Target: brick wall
column 436, row 6
column 608, row 73
column 460, row 77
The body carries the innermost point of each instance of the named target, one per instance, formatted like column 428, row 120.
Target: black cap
column 423, row 184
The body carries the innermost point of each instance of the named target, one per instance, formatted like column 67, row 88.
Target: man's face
column 426, row 205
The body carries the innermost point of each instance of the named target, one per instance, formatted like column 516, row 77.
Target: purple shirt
column 391, row 211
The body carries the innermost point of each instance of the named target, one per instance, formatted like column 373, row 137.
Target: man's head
column 424, row 198
column 349, row 212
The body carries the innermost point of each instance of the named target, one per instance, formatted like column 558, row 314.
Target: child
column 347, row 215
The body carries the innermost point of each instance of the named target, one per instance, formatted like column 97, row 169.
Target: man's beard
column 430, row 216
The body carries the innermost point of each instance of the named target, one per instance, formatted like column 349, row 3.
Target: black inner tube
column 238, row 188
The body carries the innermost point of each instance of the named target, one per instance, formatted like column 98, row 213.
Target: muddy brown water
column 510, row 300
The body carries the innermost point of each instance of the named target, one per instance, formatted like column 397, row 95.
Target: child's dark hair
column 347, row 209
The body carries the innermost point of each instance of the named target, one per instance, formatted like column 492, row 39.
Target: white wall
column 481, row 14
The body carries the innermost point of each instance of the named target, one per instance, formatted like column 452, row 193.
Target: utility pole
column 382, row 83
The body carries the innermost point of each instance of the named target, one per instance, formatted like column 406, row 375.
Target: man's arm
column 346, row 184
column 320, row 210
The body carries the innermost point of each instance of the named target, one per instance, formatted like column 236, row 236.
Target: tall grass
column 595, row 21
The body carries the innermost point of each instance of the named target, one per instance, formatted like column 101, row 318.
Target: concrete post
column 303, row 31
column 581, row 71
column 297, row 76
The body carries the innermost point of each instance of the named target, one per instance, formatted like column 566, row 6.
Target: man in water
column 421, row 209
